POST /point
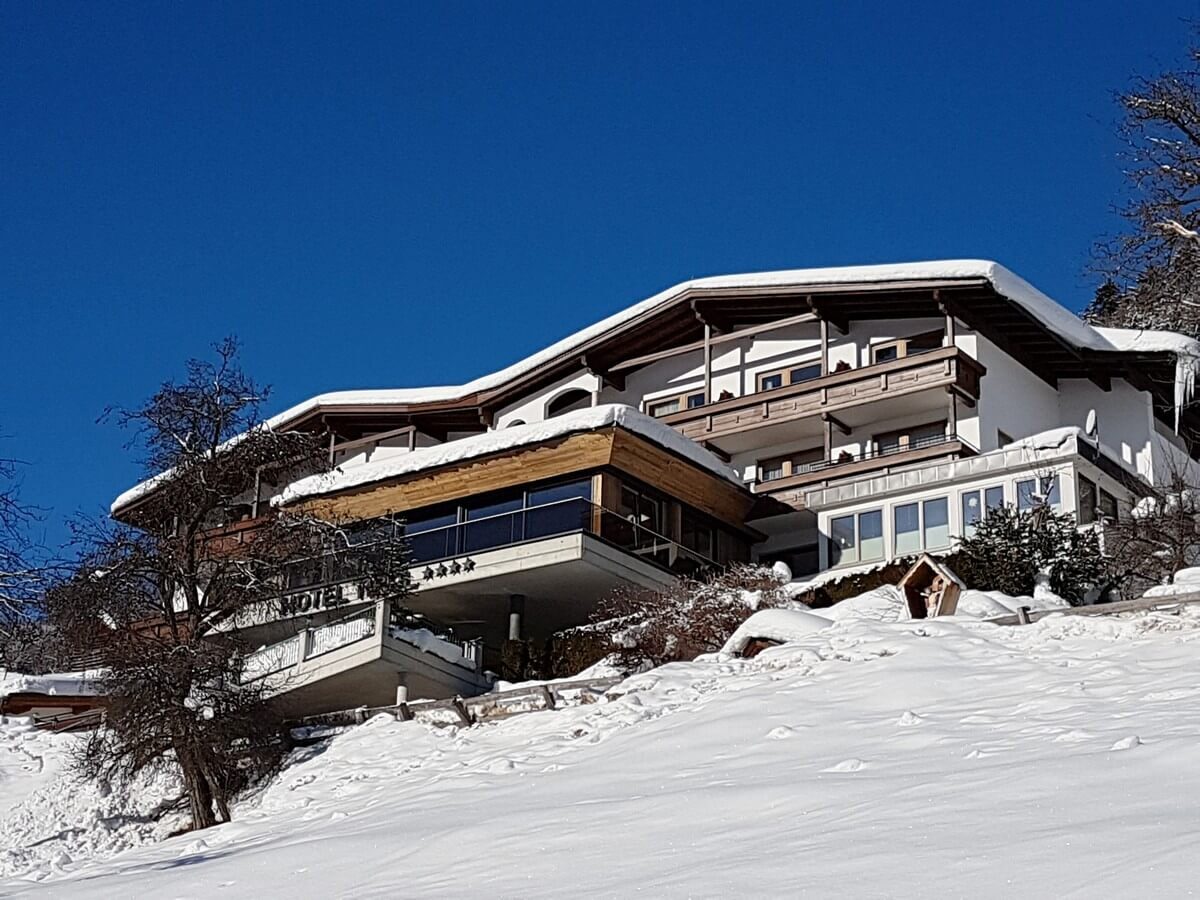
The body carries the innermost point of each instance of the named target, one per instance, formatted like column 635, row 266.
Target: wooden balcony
column 946, row 368
column 791, row 490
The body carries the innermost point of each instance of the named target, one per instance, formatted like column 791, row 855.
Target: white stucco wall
column 1013, row 399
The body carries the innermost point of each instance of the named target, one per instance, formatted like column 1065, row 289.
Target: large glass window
column 993, row 497
column 1088, row 500
column 493, row 524
column 841, row 538
column 937, row 523
column 698, row 535
column 432, row 535
column 1034, row 492
column 1108, row 507
column 1026, row 494
column 908, row 529
column 870, row 535
column 972, row 512
column 557, row 509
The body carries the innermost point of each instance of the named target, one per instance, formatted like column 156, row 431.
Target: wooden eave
column 611, row 448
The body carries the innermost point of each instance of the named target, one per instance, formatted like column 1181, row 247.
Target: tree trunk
column 199, row 794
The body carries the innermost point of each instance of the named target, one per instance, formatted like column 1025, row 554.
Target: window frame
column 1086, row 514
column 856, row 546
column 683, row 402
column 789, row 463
column 901, row 345
column 905, row 436
column 785, row 375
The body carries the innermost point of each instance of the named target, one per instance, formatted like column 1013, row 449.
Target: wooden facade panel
column 707, row 492
column 576, row 453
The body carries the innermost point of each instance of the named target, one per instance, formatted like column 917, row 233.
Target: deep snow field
column 869, row 758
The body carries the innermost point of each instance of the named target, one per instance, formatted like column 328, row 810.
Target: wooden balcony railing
column 862, row 464
column 947, row 367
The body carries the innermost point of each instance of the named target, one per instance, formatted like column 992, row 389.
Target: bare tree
column 23, row 570
column 1153, row 270
column 156, row 595
column 650, row 627
column 1161, row 535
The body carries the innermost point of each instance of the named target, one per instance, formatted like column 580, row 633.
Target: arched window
column 568, row 401
column 514, row 423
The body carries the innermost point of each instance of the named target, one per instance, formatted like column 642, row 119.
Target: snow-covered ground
column 869, row 758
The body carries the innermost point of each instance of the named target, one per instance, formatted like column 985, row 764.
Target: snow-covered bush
column 1011, row 549
column 652, row 627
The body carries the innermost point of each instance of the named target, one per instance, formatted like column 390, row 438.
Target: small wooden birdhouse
column 930, row 589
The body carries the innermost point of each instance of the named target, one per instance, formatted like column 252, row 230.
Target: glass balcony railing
column 551, row 520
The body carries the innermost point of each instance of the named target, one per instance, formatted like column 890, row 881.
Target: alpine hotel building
column 826, row 418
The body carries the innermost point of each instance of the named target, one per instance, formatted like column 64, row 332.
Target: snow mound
column 50, row 817
column 781, row 625
column 743, row 767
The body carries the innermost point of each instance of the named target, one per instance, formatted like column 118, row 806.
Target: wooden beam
column 716, row 451
column 837, row 423
column 841, row 323
column 707, row 363
column 606, row 376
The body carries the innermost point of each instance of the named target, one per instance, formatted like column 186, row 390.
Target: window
column 1042, row 491
column 805, row 373
column 1003, row 438
column 641, row 509
column 910, row 346
column 769, row 381
column 972, row 512
column 489, row 526
column 698, row 535
column 568, row 401
column 1088, row 501
column 670, row 405
column 1108, row 507
column 843, row 548
column 910, row 438
column 794, row 464
column 908, row 529
column 937, row 523
column 870, row 535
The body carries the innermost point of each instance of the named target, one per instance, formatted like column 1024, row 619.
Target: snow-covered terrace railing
column 470, row 710
column 309, row 643
column 347, row 631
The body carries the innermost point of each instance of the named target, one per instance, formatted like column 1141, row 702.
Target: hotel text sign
column 318, row 598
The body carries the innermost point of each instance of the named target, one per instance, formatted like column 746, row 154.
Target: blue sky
column 404, row 194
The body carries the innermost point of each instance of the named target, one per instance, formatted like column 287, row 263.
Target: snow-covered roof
column 53, row 684
column 1045, row 310
column 1042, row 308
column 590, row 419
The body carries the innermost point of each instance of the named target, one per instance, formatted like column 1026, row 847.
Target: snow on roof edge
column 1044, row 309
column 590, row 419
